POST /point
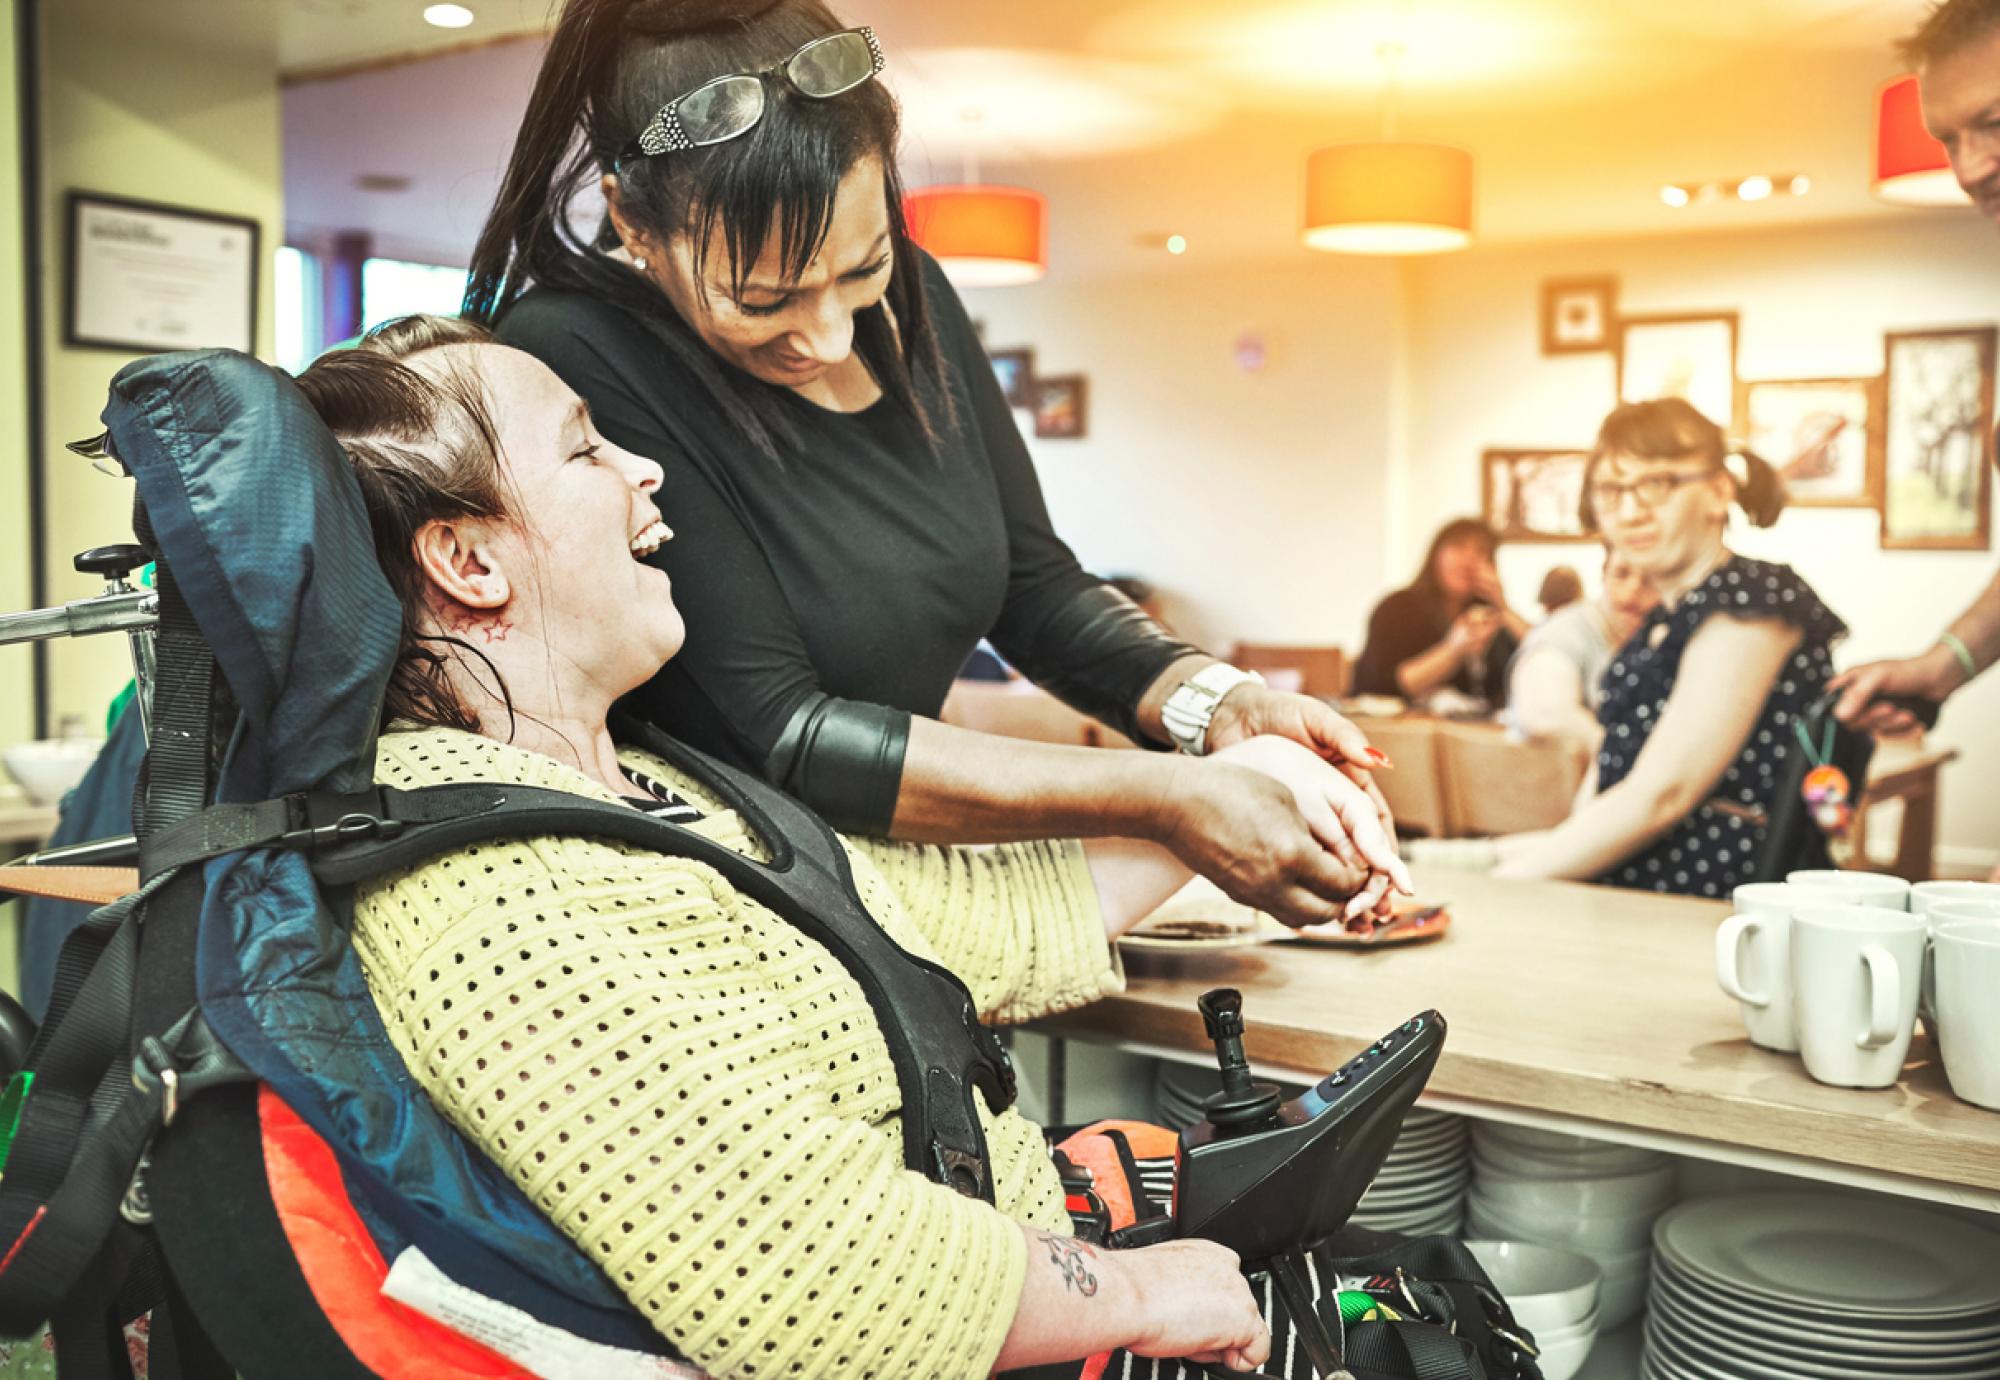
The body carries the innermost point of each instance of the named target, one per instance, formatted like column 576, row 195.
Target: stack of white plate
column 1420, row 1190
column 1581, row 1195
column 1821, row 1286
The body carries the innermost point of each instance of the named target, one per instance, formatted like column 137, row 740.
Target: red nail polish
column 1380, row 756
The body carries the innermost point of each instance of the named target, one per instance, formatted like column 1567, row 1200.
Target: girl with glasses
column 1699, row 707
column 858, row 507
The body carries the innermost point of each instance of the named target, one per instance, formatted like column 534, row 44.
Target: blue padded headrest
column 258, row 515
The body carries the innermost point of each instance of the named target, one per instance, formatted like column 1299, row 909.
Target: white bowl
column 1596, row 1237
column 1608, row 1195
column 1622, row 1294
column 1536, row 1164
column 1547, row 1288
column 49, row 770
column 1562, row 1354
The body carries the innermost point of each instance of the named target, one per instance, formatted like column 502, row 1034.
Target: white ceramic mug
column 1753, row 959
column 1945, row 902
column 1855, row 975
column 1856, row 888
column 1966, row 974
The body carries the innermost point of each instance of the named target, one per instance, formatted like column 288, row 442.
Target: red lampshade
column 1388, row 198
column 1910, row 167
column 982, row 236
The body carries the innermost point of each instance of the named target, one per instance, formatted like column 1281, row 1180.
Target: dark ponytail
column 1674, row 429
column 610, row 65
column 1760, row 489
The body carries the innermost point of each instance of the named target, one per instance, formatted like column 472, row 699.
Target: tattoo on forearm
column 1073, row 1259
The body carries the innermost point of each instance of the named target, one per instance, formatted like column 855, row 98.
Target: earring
column 639, row 264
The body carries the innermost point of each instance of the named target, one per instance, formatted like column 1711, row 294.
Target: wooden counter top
column 1584, row 1003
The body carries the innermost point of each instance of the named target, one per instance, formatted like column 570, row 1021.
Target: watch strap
column 1191, row 707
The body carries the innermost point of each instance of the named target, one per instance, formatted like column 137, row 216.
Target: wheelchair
column 211, row 1125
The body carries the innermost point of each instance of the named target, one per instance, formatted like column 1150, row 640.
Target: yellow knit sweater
column 699, row 1095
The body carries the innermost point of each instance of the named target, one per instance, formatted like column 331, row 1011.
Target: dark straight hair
column 1453, row 532
column 610, row 65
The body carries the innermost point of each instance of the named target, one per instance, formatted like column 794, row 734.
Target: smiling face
column 1961, row 102
column 1667, row 535
column 788, row 332
column 583, row 520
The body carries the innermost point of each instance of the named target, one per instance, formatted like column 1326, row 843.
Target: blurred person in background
column 1561, row 587
column 1699, row 705
column 1956, row 54
column 1554, row 684
column 1449, row 629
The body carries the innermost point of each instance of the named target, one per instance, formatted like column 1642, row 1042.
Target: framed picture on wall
column 1578, row 315
column 1060, row 412
column 1688, row 356
column 1938, row 441
column 1534, row 495
column 1823, row 435
column 1016, row 371
column 143, row 277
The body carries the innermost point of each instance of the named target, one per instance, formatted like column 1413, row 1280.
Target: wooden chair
column 1414, row 786
column 1498, row 785
column 1022, row 709
column 1322, row 670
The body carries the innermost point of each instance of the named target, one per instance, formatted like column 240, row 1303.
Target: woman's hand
column 1932, row 676
column 1244, row 831
column 1251, row 710
column 1194, row 1304
column 1341, row 815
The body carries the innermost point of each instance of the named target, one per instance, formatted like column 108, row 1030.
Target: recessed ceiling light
column 448, row 16
column 1799, row 185
column 1753, row 188
column 1673, row 195
column 1177, row 244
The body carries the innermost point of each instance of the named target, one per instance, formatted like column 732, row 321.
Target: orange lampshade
column 1910, row 167
column 1388, row 198
column 982, row 236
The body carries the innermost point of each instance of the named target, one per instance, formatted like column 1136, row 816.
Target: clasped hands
column 1284, row 814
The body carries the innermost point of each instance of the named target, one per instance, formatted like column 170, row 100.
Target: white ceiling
column 1144, row 117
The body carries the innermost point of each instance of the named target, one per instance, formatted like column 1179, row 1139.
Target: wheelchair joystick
column 1241, row 1103
column 1272, row 1179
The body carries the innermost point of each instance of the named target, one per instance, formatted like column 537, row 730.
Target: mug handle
column 1882, row 995
column 1729, row 950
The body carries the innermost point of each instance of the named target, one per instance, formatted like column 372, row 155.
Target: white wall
column 1812, row 303
column 189, row 116
column 1255, row 499
column 17, row 690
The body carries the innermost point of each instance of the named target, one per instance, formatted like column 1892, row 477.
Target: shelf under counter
column 1586, row 1009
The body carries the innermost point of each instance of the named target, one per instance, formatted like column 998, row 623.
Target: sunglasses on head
column 728, row 106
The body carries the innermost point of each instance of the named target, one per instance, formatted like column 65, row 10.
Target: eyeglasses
column 728, row 106
column 1651, row 491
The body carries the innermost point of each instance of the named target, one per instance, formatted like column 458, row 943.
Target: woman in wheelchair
column 692, row 1089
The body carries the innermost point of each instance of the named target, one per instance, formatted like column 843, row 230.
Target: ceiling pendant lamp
column 1911, row 168
column 1388, row 196
column 982, row 236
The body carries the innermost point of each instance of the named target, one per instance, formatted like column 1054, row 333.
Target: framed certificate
column 142, row 277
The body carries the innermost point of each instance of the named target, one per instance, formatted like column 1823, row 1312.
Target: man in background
column 1956, row 53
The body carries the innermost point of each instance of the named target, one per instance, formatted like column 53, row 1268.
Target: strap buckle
column 154, row 1067
column 349, row 828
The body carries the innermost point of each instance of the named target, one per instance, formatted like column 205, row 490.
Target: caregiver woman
column 855, row 504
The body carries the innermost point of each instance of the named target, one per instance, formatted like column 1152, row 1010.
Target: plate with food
column 1409, row 923
column 1199, row 917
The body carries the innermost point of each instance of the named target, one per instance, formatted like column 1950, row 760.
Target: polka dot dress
column 1714, row 850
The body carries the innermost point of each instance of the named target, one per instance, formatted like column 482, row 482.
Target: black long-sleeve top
column 833, row 594
column 1409, row 623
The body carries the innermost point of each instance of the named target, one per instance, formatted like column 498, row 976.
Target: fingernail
column 1376, row 754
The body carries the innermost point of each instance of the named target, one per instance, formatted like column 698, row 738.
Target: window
column 295, row 283
column 394, row 287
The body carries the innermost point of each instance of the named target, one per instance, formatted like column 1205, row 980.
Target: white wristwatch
column 1189, row 710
